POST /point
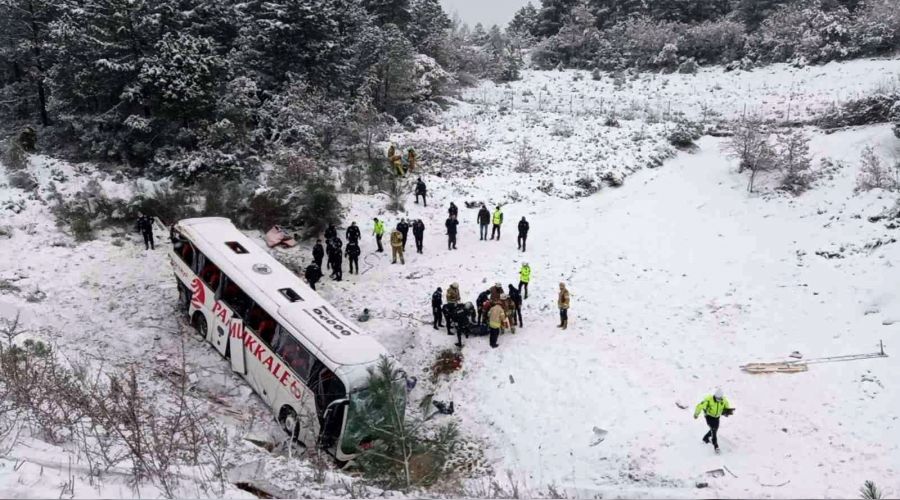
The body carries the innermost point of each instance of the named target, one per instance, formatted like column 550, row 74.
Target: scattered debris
column 702, row 484
column 796, row 355
column 716, row 473
column 599, row 436
column 511, row 379
column 775, row 485
column 443, row 408
column 277, row 236
column 681, row 405
column 781, row 367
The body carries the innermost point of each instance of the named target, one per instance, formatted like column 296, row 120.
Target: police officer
column 352, row 253
column 318, row 253
column 523, row 233
column 313, row 274
column 437, row 302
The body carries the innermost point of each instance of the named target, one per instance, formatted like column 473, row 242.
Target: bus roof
column 309, row 317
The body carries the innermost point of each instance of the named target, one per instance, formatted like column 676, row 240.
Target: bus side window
column 210, row 274
column 295, row 355
column 261, row 323
column 234, row 297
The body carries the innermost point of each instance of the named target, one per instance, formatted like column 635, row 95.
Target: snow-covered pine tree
column 577, row 40
column 405, row 453
column 394, row 70
column 523, row 26
column 396, row 12
column 428, row 27
column 551, row 16
column 794, row 161
column 25, row 28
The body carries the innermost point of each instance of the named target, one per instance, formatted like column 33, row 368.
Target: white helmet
column 719, row 394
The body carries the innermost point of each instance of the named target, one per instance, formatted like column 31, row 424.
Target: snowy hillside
column 677, row 278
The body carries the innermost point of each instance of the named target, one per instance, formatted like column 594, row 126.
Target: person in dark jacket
column 451, row 232
column 516, row 297
column 418, row 229
column 337, row 259
column 484, row 220
column 353, row 233
column 313, row 274
column 523, row 233
column 331, row 232
column 437, row 302
column 453, row 211
column 318, row 253
column 403, row 227
column 479, row 303
column 421, row 191
column 145, row 227
column 352, row 253
column 465, row 322
column 329, row 252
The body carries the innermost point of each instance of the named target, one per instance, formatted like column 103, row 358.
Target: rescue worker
column 563, row 303
column 497, row 219
column 713, row 407
column 418, row 229
column 403, row 227
column 378, row 232
column 437, row 302
column 331, row 232
column 523, row 233
column 397, row 247
column 318, row 252
column 422, row 191
column 524, row 278
column 509, row 307
column 483, row 298
column 337, row 259
column 145, row 227
column 465, row 322
column 516, row 298
column 496, row 292
column 453, row 211
column 484, row 219
column 352, row 252
column 496, row 321
column 410, row 160
column 395, row 161
column 313, row 274
column 353, row 233
column 453, row 294
column 451, row 232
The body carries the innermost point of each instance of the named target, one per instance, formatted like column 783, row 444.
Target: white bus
column 303, row 358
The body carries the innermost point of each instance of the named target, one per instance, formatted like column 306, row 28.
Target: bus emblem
column 198, row 297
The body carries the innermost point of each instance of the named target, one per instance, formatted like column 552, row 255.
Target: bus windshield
column 371, row 415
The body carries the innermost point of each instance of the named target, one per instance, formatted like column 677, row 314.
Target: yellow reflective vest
column 498, row 217
column 379, row 228
column 525, row 274
column 711, row 407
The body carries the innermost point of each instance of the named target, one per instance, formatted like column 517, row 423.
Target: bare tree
column 874, row 174
column 750, row 145
column 524, row 156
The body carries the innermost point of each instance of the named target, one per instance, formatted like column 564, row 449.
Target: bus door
column 228, row 316
column 262, row 334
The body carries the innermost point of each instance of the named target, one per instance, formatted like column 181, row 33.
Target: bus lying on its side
column 303, row 358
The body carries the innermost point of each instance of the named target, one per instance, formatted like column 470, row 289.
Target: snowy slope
column 677, row 278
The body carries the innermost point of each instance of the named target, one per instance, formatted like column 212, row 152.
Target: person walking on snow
column 353, row 233
column 331, row 232
column 313, row 274
column 318, row 253
column 418, row 229
column 352, row 253
column 563, row 304
column 484, row 219
column 453, row 295
column 451, row 232
column 523, row 233
column 497, row 219
column 437, row 303
column 403, row 227
column 713, row 407
column 496, row 321
column 452, row 211
column 524, row 278
column 378, row 232
column 397, row 247
column 422, row 191
column 145, row 227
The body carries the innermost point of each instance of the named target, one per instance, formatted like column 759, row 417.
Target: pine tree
column 577, row 40
column 552, row 16
column 428, row 28
column 794, row 161
column 25, row 28
column 396, row 12
column 753, row 12
column 524, row 23
column 611, row 12
column 393, row 70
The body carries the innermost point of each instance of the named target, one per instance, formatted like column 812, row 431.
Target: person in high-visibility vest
column 524, row 278
column 713, row 407
column 378, row 232
column 497, row 219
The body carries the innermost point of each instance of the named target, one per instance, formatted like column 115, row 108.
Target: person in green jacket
column 713, row 407
column 524, row 278
column 378, row 232
column 497, row 219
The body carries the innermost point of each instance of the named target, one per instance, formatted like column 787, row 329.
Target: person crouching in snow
column 713, row 407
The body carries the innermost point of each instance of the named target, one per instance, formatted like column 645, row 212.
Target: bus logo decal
column 325, row 315
column 198, row 295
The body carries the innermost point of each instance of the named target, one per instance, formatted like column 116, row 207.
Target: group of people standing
column 335, row 251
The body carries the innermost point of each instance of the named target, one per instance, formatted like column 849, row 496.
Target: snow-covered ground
column 677, row 279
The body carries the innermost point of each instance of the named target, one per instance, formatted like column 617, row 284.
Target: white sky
column 487, row 12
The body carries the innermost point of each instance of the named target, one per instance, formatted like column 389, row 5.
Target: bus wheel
column 289, row 422
column 200, row 325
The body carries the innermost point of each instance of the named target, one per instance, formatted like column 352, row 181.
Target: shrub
column 169, row 203
column 688, row 67
column 874, row 174
column 319, row 205
column 750, row 145
column 879, row 108
column 588, row 185
column 81, row 225
column 684, row 135
column 22, row 179
column 803, row 32
column 15, row 157
column 713, row 42
column 525, row 157
column 876, row 29
column 794, row 162
column 265, row 210
column 396, row 189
